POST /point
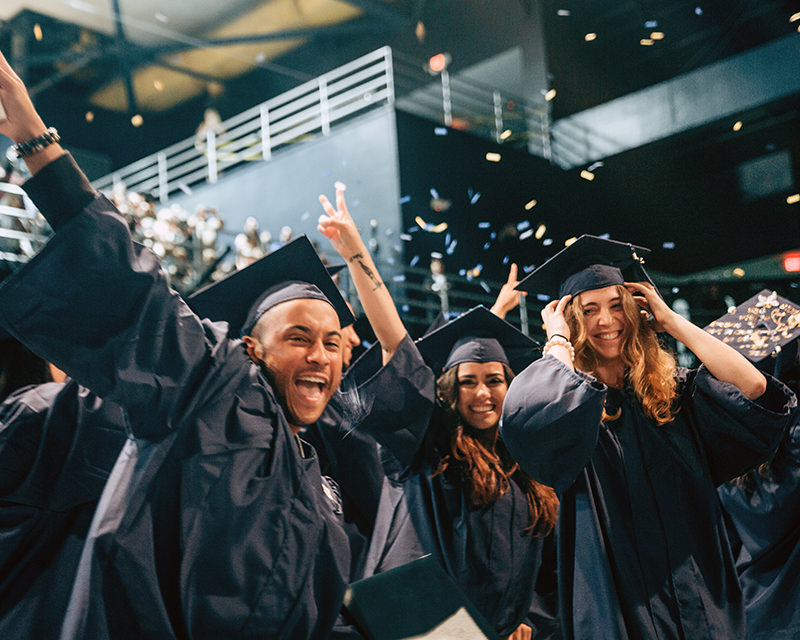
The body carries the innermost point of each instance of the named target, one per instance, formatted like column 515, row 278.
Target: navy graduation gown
column 766, row 519
column 58, row 444
column 486, row 550
column 214, row 524
column 643, row 551
column 351, row 458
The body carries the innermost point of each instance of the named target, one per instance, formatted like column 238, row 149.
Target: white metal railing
column 311, row 108
column 255, row 134
column 481, row 109
column 22, row 230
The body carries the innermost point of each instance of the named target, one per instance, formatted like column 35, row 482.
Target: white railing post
column 266, row 145
column 498, row 116
column 547, row 149
column 387, row 52
column 211, row 153
column 447, row 106
column 163, row 189
column 323, row 107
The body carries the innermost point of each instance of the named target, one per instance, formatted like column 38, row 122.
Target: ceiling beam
column 124, row 62
column 380, row 10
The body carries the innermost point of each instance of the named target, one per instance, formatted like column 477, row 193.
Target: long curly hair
column 481, row 460
column 649, row 367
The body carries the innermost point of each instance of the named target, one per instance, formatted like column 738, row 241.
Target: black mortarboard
column 760, row 326
column 588, row 263
column 333, row 269
column 477, row 336
column 291, row 272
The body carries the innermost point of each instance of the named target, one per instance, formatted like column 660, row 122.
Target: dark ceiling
column 683, row 189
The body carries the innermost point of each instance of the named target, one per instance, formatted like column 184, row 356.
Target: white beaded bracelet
column 558, row 339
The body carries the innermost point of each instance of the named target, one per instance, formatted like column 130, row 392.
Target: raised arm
column 23, row 123
column 94, row 303
column 338, row 226
column 724, row 362
column 508, row 297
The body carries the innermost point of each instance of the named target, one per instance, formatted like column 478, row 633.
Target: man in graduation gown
column 58, row 444
column 763, row 506
column 216, row 521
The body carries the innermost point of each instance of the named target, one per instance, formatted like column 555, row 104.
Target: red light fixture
column 439, row 62
column 791, row 262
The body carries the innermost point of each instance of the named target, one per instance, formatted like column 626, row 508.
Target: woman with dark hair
column 635, row 446
column 466, row 439
column 453, row 491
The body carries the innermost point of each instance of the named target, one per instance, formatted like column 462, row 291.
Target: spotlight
column 438, row 63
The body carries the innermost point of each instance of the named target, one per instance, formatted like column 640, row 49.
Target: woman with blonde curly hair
column 634, row 446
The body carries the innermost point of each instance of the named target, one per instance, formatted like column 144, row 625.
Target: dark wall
column 487, row 216
column 361, row 153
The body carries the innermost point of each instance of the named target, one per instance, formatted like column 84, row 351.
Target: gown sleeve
column 551, row 418
column 98, row 306
column 737, row 433
column 398, row 399
column 767, row 510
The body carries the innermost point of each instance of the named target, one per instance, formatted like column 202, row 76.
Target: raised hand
column 508, row 298
column 652, row 305
column 22, row 122
column 337, row 225
column 553, row 317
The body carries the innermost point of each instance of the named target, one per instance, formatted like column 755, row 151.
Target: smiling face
column 482, row 388
column 605, row 322
column 300, row 343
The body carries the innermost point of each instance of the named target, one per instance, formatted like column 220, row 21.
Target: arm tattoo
column 376, row 282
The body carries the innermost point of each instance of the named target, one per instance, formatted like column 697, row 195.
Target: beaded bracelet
column 558, row 339
column 29, row 147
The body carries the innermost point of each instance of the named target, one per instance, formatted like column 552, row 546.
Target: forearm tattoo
column 376, row 282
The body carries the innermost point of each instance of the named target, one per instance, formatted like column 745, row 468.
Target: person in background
column 763, row 506
column 635, row 448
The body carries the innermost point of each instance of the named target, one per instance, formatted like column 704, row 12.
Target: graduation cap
column 588, row 263
column 334, row 269
column 292, row 272
column 477, row 336
column 759, row 327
